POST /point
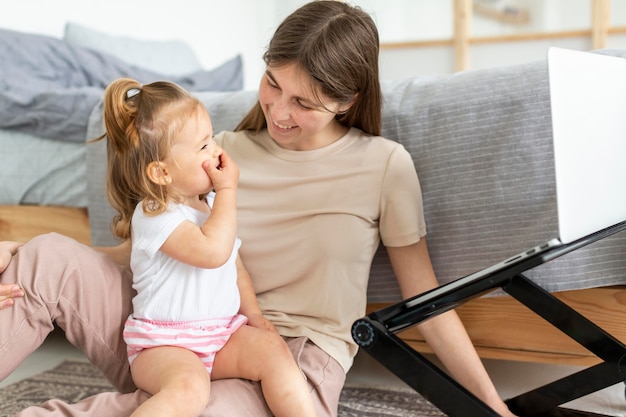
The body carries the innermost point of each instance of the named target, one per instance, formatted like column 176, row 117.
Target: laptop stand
column 376, row 334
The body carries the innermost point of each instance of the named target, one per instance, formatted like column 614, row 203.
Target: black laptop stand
column 376, row 334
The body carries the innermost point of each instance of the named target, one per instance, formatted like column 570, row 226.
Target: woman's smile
column 283, row 127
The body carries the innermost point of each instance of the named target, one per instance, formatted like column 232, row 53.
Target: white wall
column 216, row 29
column 219, row 29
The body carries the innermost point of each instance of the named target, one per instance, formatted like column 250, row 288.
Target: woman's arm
column 249, row 304
column 120, row 254
column 444, row 333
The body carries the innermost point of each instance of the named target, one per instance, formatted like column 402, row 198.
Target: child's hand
column 224, row 176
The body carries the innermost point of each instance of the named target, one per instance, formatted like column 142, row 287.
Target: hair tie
column 132, row 93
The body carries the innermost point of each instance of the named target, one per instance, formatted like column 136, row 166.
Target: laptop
column 588, row 107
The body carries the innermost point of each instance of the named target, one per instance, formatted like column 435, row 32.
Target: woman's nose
column 281, row 110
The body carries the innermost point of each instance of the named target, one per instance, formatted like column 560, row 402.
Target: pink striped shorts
column 205, row 338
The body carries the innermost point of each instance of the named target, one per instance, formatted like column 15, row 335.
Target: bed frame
column 500, row 327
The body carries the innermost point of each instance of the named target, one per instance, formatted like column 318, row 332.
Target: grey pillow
column 48, row 87
column 171, row 57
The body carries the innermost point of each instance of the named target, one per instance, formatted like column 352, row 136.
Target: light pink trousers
column 89, row 297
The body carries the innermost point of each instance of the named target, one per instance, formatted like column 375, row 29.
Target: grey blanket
column 48, row 87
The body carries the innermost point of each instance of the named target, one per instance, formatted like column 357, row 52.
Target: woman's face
column 296, row 120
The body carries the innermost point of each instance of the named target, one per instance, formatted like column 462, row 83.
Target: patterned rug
column 72, row 381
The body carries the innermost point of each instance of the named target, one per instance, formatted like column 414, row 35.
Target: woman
column 318, row 190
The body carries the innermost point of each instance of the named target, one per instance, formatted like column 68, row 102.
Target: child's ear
column 157, row 173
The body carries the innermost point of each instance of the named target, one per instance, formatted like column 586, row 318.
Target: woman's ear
column 343, row 109
column 157, row 173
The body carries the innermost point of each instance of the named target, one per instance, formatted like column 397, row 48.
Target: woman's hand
column 258, row 320
column 8, row 292
column 7, row 250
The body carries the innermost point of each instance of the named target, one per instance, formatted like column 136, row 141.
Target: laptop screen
column 588, row 104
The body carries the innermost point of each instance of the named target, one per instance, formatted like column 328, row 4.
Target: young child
column 195, row 316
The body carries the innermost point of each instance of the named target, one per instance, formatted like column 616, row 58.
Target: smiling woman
column 294, row 113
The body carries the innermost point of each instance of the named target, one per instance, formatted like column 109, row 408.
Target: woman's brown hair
column 337, row 45
column 140, row 123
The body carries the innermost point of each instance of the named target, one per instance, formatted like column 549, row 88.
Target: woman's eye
column 304, row 106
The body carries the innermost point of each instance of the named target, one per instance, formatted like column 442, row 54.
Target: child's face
column 191, row 148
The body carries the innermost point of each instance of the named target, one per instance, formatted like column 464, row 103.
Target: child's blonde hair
column 141, row 122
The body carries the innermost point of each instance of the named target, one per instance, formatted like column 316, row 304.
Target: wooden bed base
column 500, row 327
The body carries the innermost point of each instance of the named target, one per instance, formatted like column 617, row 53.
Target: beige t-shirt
column 310, row 222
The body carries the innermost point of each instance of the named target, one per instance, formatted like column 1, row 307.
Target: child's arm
column 249, row 304
column 210, row 245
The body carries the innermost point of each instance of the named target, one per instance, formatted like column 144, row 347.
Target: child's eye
column 208, row 143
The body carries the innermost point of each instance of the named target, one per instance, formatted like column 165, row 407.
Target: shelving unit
column 598, row 32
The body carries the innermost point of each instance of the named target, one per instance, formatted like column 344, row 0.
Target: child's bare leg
column 177, row 379
column 262, row 355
